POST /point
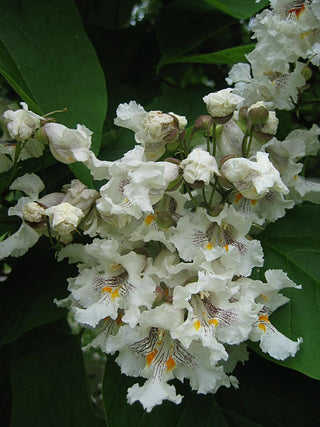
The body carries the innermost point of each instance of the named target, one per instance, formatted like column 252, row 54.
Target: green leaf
column 225, row 56
column 49, row 383
column 241, row 9
column 26, row 297
column 184, row 25
column 292, row 244
column 268, row 395
column 47, row 57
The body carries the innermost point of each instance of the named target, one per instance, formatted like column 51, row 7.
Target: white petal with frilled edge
column 152, row 393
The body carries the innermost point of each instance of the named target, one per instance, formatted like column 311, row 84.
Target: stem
column 204, row 197
column 214, row 139
column 191, row 196
column 208, row 135
column 213, row 191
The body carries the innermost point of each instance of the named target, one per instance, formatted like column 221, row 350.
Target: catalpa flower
column 253, row 179
column 153, row 130
column 205, row 239
column 150, row 351
column 115, row 282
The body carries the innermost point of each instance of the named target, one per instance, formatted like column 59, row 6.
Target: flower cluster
column 287, row 35
column 165, row 280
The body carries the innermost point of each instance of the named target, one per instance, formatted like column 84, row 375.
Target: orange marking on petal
column 238, row 198
column 115, row 294
column 149, row 218
column 170, row 364
column 107, row 289
column 197, row 325
column 150, row 357
column 214, row 322
column 262, row 326
column 264, row 318
column 119, row 320
column 106, row 318
column 209, row 246
column 264, row 297
column 297, row 10
column 226, row 248
column 295, row 176
column 253, row 202
column 302, row 35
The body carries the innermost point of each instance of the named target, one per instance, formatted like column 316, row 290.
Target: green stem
column 213, row 191
column 214, row 139
column 204, row 197
column 191, row 196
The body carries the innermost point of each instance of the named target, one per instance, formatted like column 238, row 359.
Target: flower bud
column 216, row 210
column 22, row 123
column 306, row 72
column 222, row 104
column 258, row 113
column 34, row 214
column 64, row 218
column 203, row 122
column 165, row 220
column 199, row 166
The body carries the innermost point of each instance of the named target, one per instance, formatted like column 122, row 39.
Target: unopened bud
column 222, row 120
column 164, row 220
column 306, row 72
column 216, row 210
column 34, row 214
column 203, row 122
column 174, row 185
column 258, row 113
column 197, row 185
column 243, row 114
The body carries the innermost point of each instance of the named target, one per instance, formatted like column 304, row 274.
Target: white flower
column 80, row 196
column 64, row 219
column 153, row 130
column 22, row 123
column 256, row 179
column 199, row 166
column 68, row 145
column 18, row 243
column 222, row 103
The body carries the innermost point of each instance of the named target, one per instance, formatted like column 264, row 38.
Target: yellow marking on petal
column 253, row 202
column 115, row 266
column 264, row 318
column 214, row 322
column 262, row 327
column 149, row 218
column 197, row 325
column 209, row 246
column 115, row 294
column 264, row 297
column 226, row 248
column 107, row 289
column 150, row 357
column 295, row 176
column 302, row 35
column 170, row 364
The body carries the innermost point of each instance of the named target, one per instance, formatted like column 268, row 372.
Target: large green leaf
column 48, row 59
column 225, row 56
column 292, row 244
column 268, row 395
column 26, row 297
column 241, row 9
column 49, row 384
column 184, row 25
